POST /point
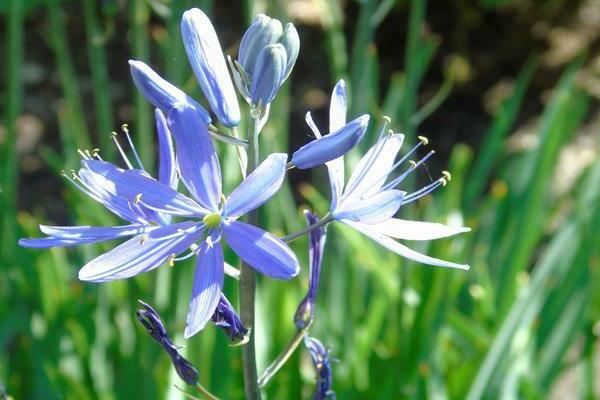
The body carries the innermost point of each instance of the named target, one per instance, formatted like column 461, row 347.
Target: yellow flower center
column 212, row 220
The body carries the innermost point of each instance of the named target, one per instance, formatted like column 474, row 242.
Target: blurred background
column 507, row 92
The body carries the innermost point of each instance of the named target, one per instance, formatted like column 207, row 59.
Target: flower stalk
column 293, row 236
column 248, row 283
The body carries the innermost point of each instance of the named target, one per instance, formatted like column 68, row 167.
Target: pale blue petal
column 417, row 230
column 291, row 42
column 373, row 209
column 196, row 156
column 137, row 187
column 372, row 170
column 337, row 108
column 264, row 252
column 159, row 92
column 268, row 74
column 311, row 124
column 258, row 187
column 62, row 236
column 262, row 32
column 398, row 248
column 48, row 242
column 331, row 146
column 167, row 165
column 142, row 253
column 206, row 58
column 206, row 292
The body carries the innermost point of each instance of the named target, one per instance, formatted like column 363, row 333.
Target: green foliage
column 399, row 330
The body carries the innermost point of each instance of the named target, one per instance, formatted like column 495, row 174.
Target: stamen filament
column 113, row 136
column 125, row 129
column 399, row 179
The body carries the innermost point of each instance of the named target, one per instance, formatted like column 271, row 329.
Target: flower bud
column 150, row 319
column 228, row 320
column 322, row 362
column 291, row 42
column 332, row 146
column 159, row 92
column 262, row 32
column 268, row 74
column 206, row 58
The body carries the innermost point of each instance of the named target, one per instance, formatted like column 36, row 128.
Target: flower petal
column 398, row 248
column 167, row 165
column 258, row 187
column 141, row 253
column 373, row 209
column 130, row 184
column 263, row 251
column 196, row 155
column 373, row 168
column 269, row 74
column 311, row 124
column 337, row 107
column 62, row 236
column 262, row 32
column 332, row 146
column 208, row 283
column 417, row 230
column 291, row 42
column 159, row 92
column 206, row 58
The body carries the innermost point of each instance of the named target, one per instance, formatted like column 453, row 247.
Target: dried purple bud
column 227, row 319
column 150, row 319
column 306, row 310
column 322, row 362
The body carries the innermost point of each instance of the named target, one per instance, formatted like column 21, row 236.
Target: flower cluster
column 167, row 222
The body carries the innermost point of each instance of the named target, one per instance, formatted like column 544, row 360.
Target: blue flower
column 210, row 218
column 342, row 137
column 208, row 62
column 370, row 199
column 141, row 219
column 322, row 362
column 150, row 319
column 305, row 312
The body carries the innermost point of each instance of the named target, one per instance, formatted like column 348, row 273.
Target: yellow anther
column 87, row 153
column 63, row 172
column 443, row 181
column 413, row 164
column 74, row 174
column 423, row 140
column 194, row 247
column 144, row 239
column 209, row 242
column 390, row 132
column 113, row 134
column 125, row 128
column 223, row 198
column 171, row 260
column 137, row 199
column 387, row 119
column 212, row 220
column 447, row 175
column 81, row 153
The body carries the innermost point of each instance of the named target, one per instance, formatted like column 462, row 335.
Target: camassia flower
column 141, row 219
column 321, row 360
column 371, row 198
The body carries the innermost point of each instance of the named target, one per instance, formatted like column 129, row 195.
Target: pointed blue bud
column 150, row 319
column 226, row 318
column 207, row 60
column 159, row 92
column 268, row 74
column 291, row 42
column 332, row 146
column 262, row 32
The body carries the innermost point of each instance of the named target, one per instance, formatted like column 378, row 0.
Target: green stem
column 282, row 357
column 225, row 138
column 433, row 104
column 293, row 236
column 248, row 286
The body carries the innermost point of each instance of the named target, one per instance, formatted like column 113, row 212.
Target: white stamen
column 113, row 136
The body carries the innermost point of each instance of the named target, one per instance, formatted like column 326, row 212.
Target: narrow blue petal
column 208, row 283
column 374, row 209
column 207, row 60
column 263, row 251
column 167, row 165
column 159, row 92
column 63, row 236
column 137, row 187
column 268, row 74
column 142, row 253
column 332, row 146
column 196, row 155
column 258, row 187
column 291, row 42
column 338, row 106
